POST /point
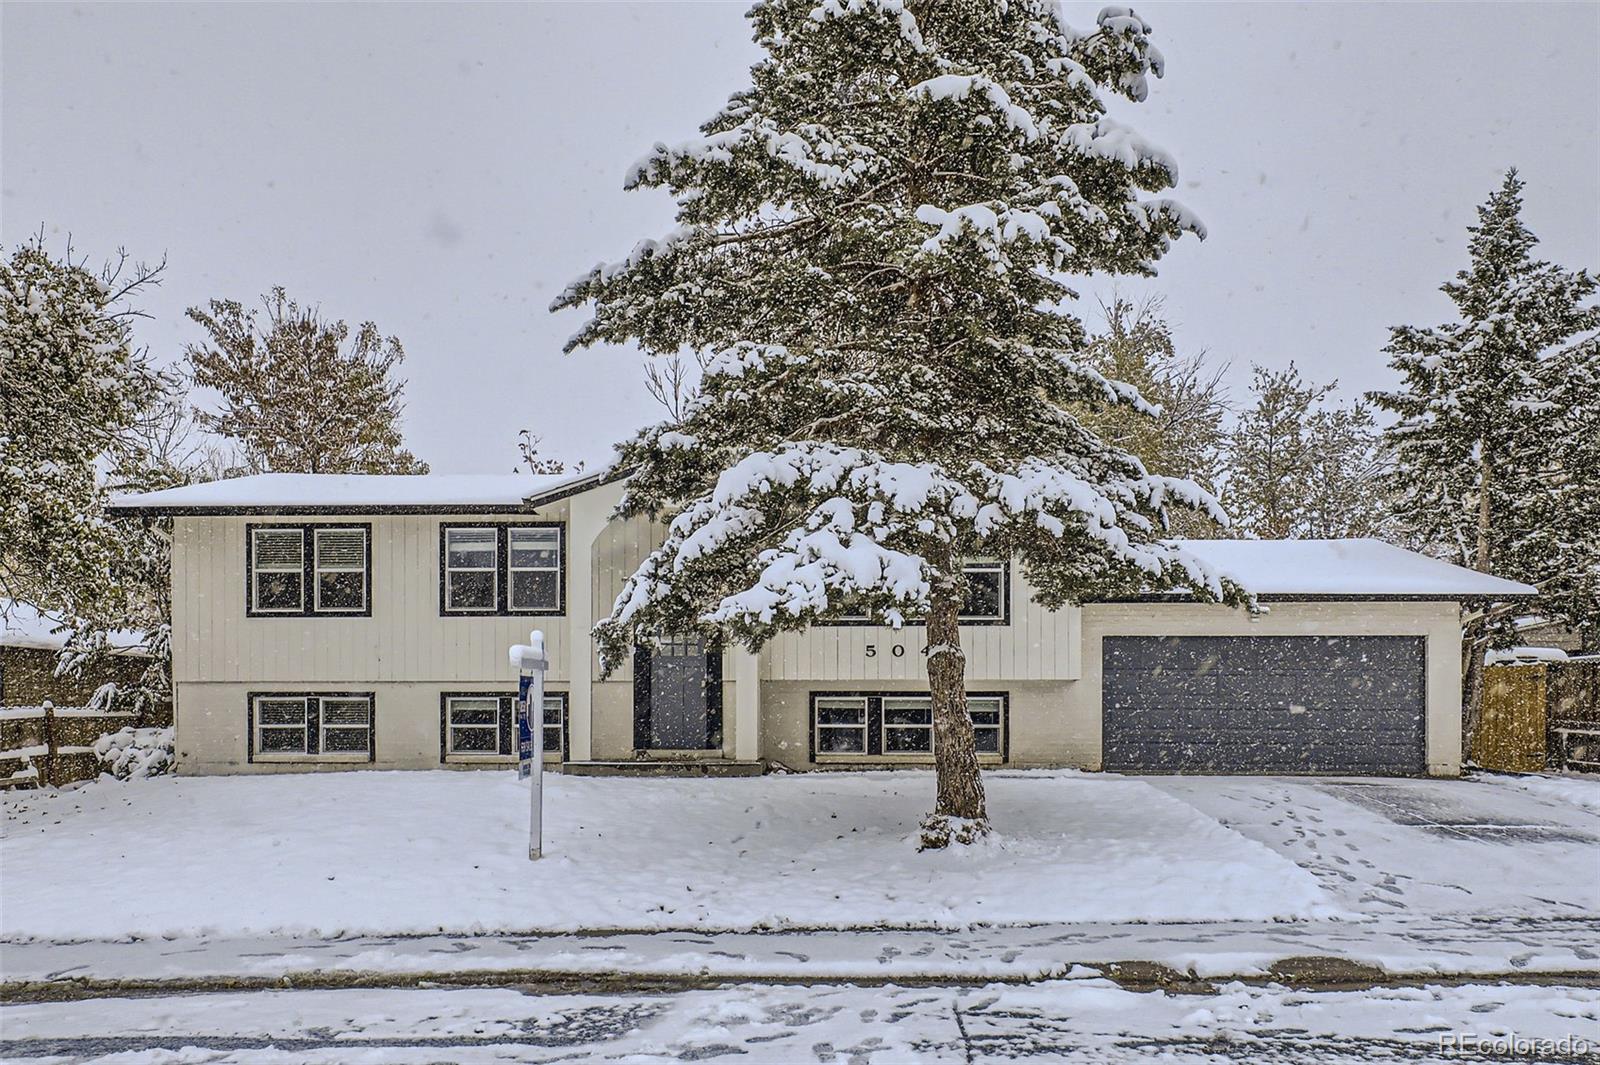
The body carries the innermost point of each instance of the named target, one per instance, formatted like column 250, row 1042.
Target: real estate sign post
column 531, row 664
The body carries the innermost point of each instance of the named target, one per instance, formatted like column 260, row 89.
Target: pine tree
column 300, row 394
column 1299, row 467
column 71, row 381
column 1484, row 409
column 1187, row 438
column 872, row 244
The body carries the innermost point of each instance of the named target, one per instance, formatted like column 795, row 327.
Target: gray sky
column 444, row 170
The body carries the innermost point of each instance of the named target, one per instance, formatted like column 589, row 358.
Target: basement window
column 295, row 726
column 893, row 726
column 481, row 727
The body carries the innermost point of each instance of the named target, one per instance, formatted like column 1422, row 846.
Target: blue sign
column 525, row 729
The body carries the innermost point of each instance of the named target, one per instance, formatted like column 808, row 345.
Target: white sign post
column 531, row 663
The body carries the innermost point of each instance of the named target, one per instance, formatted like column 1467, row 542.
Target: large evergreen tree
column 1301, row 467
column 301, row 394
column 872, row 245
column 71, row 381
column 1486, row 409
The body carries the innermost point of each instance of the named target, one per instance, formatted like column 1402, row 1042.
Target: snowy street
column 1086, row 1020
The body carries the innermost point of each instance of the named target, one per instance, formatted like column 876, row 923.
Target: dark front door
column 1263, row 704
column 677, row 703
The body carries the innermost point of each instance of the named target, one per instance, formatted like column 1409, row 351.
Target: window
column 472, row 570
column 986, row 591
column 841, row 726
column 298, row 726
column 988, row 598
column 482, row 727
column 534, row 567
column 302, row 570
column 341, row 568
column 895, row 726
column 501, row 569
column 278, row 571
column 907, row 726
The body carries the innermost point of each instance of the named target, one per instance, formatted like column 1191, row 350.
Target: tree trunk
column 1474, row 645
column 1475, row 638
column 960, row 813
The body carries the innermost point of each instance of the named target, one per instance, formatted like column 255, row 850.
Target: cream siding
column 1037, row 644
column 405, row 639
column 406, row 653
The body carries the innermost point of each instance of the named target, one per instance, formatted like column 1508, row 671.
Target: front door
column 677, row 696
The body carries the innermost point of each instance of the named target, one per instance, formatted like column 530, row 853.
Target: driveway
column 1410, row 848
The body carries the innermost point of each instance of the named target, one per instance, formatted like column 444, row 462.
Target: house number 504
column 898, row 650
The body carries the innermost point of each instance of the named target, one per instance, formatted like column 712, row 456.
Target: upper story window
column 501, row 569
column 988, row 599
column 300, row 570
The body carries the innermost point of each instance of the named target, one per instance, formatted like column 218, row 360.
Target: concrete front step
column 685, row 767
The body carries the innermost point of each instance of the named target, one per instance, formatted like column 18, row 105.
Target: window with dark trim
column 502, row 569
column 481, row 726
column 988, row 600
column 308, row 570
column 315, row 726
column 898, row 726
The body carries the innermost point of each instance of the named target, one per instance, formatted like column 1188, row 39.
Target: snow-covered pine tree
column 71, row 381
column 871, row 247
column 1187, row 438
column 1564, row 537
column 1483, row 414
column 1299, row 467
column 296, row 396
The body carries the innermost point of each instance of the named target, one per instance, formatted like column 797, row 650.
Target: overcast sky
column 444, row 170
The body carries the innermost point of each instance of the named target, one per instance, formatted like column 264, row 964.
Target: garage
column 1264, row 704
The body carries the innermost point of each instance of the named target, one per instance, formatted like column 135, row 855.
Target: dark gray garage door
column 1263, row 704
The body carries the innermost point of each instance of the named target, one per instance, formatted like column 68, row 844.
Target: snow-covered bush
column 133, row 753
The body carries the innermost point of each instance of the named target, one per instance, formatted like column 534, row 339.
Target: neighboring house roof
column 1346, row 569
column 25, row 625
column 336, row 493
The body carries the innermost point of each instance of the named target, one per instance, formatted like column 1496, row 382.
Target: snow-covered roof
column 1345, row 568
column 352, row 493
column 25, row 625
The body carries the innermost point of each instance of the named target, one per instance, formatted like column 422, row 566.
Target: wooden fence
column 50, row 746
column 1543, row 715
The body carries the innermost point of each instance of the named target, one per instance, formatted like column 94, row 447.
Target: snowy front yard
column 362, row 853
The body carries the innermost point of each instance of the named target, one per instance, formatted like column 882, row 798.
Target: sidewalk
column 1313, row 953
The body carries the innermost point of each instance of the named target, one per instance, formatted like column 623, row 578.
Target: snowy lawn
column 369, row 852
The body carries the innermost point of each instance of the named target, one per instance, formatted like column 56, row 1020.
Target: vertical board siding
column 1038, row 644
column 618, row 551
column 405, row 639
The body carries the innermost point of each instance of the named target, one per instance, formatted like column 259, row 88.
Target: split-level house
column 331, row 622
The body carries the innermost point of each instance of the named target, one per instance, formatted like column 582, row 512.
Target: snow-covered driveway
column 1491, row 846
column 384, row 853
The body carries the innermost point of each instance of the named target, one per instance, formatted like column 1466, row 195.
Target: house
column 324, row 622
